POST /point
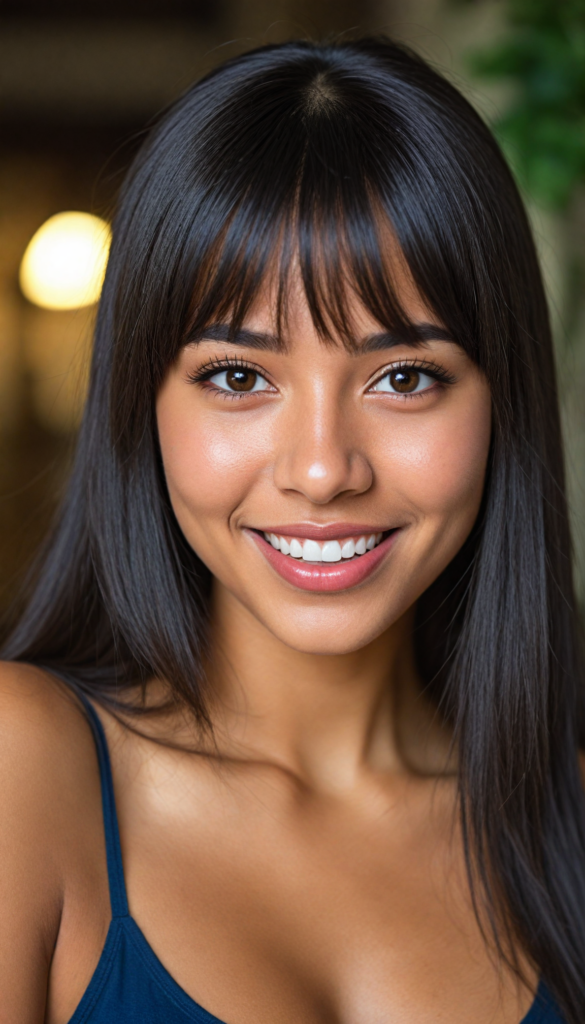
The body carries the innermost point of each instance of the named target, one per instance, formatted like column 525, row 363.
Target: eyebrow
column 417, row 335
column 263, row 340
column 243, row 337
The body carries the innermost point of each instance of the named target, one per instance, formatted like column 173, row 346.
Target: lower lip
column 324, row 577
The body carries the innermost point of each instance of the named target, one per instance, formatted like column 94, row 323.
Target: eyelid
column 431, row 369
column 214, row 366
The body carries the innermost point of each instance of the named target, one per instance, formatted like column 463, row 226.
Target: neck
column 325, row 718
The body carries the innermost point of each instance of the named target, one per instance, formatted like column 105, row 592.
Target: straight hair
column 306, row 156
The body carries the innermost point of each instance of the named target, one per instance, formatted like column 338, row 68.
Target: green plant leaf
column 543, row 130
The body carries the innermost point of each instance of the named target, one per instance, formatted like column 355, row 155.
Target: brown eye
column 241, row 379
column 404, row 380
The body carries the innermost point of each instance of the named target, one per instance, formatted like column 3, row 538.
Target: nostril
column 321, row 475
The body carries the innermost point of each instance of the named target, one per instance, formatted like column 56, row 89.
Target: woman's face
column 325, row 490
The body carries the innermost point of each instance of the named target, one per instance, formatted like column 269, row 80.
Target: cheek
column 210, row 463
column 439, row 463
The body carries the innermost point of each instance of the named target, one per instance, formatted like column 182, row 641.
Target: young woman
column 310, row 588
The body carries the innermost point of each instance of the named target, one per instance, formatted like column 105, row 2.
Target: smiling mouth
column 338, row 550
column 339, row 560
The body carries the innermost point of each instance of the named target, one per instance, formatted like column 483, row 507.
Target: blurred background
column 79, row 84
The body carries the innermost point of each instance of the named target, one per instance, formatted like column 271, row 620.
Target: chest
column 268, row 907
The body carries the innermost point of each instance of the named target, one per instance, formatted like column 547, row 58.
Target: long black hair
column 306, row 154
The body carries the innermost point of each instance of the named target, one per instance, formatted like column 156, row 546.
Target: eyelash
column 200, row 376
column 442, row 377
column 216, row 366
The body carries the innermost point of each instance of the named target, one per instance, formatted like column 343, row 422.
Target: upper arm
column 38, row 759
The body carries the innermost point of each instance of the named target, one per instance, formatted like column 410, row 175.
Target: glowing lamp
column 65, row 261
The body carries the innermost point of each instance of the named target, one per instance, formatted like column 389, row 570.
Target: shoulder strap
column 118, row 898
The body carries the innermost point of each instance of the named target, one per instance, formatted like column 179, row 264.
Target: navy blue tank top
column 130, row 985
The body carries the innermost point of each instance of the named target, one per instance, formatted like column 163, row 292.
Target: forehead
column 301, row 335
column 282, row 313
column 295, row 298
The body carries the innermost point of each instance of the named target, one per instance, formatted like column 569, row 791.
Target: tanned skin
column 306, row 863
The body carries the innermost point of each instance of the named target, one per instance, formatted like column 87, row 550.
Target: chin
column 326, row 634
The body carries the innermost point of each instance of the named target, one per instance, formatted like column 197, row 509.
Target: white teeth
column 331, row 551
column 348, row 549
column 312, row 551
column 296, row 548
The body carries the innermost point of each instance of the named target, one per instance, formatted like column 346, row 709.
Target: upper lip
column 331, row 531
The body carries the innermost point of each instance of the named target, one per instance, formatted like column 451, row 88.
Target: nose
column 318, row 455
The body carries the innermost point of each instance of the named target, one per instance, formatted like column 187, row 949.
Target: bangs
column 339, row 249
column 299, row 192
column 328, row 169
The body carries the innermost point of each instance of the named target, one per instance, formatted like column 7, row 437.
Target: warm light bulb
column 65, row 261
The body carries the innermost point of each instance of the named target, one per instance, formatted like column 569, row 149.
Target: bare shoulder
column 44, row 736
column 48, row 768
column 49, row 823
